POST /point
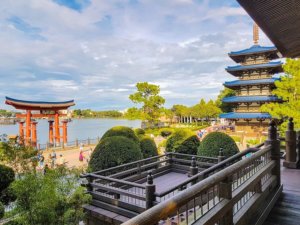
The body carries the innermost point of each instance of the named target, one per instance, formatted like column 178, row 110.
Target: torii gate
column 46, row 109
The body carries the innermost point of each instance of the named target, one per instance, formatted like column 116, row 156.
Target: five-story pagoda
column 254, row 86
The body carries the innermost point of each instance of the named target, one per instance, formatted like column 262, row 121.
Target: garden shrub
column 183, row 141
column 1, row 210
column 148, row 147
column 114, row 151
column 7, row 175
column 121, row 131
column 139, row 132
column 165, row 132
column 211, row 144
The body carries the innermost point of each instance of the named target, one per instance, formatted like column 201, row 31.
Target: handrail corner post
column 274, row 142
column 221, row 156
column 226, row 192
column 150, row 191
column 290, row 146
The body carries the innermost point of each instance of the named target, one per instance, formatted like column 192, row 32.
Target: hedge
column 183, row 141
column 148, row 147
column 211, row 144
column 139, row 132
column 165, row 132
column 114, row 151
column 121, row 131
column 7, row 175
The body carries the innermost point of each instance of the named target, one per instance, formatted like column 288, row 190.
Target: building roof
column 275, row 67
column 280, row 21
column 239, row 56
column 237, row 83
column 234, row 115
column 38, row 105
column 255, row 98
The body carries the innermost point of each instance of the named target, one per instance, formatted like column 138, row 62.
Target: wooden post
column 221, row 156
column 290, row 146
column 90, row 180
column 150, row 191
column 88, row 141
column 76, row 142
column 226, row 192
column 275, row 149
column 65, row 132
column 34, row 133
column 193, row 167
column 298, row 144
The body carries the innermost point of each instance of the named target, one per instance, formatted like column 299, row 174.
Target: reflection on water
column 78, row 128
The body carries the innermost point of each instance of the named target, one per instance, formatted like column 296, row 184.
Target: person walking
column 41, row 161
column 81, row 157
column 61, row 161
column 53, row 159
column 89, row 153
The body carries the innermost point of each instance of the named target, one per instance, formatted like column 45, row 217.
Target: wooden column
column 51, row 132
column 21, row 131
column 65, row 134
column 290, row 146
column 28, row 127
column 56, row 125
column 150, row 191
column 34, row 133
column 275, row 149
column 226, row 192
column 221, row 156
column 193, row 167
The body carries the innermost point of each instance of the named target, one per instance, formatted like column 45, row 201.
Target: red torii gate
column 46, row 109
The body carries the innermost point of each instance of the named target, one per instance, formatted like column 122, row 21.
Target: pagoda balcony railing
column 242, row 193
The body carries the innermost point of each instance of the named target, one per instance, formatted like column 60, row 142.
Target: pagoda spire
column 255, row 33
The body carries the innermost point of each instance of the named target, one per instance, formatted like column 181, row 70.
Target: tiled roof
column 256, row 98
column 234, row 115
column 254, row 49
column 249, row 82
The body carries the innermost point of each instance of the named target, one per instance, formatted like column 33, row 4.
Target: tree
column 179, row 110
column 134, row 114
column 148, row 95
column 287, row 89
column 225, row 107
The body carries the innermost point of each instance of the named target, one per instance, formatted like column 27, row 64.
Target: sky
column 95, row 51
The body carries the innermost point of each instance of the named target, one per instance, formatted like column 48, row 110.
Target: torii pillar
column 51, row 141
column 21, row 131
column 34, row 135
column 28, row 127
column 56, row 125
column 65, row 134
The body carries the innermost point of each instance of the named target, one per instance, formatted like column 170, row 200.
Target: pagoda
column 253, row 87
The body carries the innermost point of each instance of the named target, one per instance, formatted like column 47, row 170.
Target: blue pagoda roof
column 236, row 70
column 239, row 56
column 256, row 98
column 237, row 83
column 235, row 115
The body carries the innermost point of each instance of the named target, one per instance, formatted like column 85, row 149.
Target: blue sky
column 95, row 51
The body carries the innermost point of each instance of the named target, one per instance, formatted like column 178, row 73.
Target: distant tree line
column 5, row 113
column 88, row 113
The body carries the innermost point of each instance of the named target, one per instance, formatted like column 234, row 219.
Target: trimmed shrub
column 7, row 175
column 165, row 132
column 139, row 132
column 148, row 147
column 121, row 131
column 2, row 210
column 211, row 144
column 114, row 151
column 183, row 141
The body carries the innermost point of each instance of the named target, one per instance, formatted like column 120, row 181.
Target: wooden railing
column 70, row 144
column 239, row 194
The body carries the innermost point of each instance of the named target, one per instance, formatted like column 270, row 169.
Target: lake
column 77, row 128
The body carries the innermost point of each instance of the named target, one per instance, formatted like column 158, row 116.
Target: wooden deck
column 287, row 209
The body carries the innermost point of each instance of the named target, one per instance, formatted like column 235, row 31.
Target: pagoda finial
column 255, row 34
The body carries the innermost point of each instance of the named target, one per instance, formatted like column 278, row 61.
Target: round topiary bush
column 183, row 141
column 211, row 144
column 148, row 147
column 114, row 151
column 121, row 131
column 139, row 132
column 166, row 132
column 7, row 175
column 2, row 210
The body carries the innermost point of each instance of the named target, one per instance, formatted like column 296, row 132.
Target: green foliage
column 148, row 147
column 211, row 144
column 49, row 199
column 87, row 113
column 121, row 131
column 288, row 90
column 134, row 114
column 183, row 141
column 165, row 132
column 139, row 132
column 253, row 142
column 225, row 107
column 148, row 95
column 2, row 210
column 7, row 176
column 114, row 151
column 5, row 113
column 236, row 138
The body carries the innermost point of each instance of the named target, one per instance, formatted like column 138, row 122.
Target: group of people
column 83, row 157
column 52, row 161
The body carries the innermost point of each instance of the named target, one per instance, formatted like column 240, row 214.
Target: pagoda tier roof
column 235, row 115
column 239, row 56
column 237, row 83
column 38, row 105
column 255, row 98
column 274, row 67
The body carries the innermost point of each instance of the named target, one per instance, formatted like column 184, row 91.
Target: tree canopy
column 287, row 88
column 225, row 107
column 148, row 95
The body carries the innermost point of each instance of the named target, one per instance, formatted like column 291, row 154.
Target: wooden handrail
column 169, row 207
